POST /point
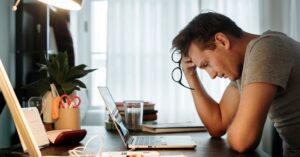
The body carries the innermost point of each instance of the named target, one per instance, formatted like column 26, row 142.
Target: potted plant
column 61, row 74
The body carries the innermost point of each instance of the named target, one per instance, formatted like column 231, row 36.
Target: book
column 109, row 125
column 147, row 106
column 173, row 127
column 65, row 136
column 53, row 134
column 149, row 117
column 145, row 112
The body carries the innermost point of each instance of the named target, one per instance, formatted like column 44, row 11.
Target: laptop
column 141, row 142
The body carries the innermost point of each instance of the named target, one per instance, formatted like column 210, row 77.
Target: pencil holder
column 69, row 118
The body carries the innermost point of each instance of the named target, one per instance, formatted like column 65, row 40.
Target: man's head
column 202, row 30
column 207, row 34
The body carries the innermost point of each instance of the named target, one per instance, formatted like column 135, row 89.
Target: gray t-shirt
column 274, row 58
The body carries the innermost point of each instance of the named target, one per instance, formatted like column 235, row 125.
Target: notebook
column 138, row 142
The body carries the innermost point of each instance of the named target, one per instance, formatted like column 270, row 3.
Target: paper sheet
column 36, row 125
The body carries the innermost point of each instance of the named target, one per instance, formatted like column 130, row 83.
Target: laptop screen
column 114, row 113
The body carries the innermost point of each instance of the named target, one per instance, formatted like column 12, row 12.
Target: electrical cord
column 81, row 151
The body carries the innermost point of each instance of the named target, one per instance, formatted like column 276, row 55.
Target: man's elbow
column 216, row 133
column 240, row 144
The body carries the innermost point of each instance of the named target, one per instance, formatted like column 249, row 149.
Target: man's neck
column 243, row 43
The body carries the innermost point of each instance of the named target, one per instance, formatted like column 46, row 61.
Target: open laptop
column 137, row 142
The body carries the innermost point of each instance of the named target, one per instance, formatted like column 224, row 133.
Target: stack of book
column 149, row 114
column 173, row 127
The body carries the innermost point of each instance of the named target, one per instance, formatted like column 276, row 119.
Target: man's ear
column 222, row 40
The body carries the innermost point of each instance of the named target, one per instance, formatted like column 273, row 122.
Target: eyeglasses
column 177, row 71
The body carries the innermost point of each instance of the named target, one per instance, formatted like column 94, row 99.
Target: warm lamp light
column 64, row 4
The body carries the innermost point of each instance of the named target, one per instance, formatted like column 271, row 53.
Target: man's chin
column 233, row 78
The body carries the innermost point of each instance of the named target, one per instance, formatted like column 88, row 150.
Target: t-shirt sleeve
column 268, row 62
column 233, row 84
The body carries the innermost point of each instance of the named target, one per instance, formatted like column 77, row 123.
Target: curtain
column 139, row 58
column 259, row 16
column 244, row 13
column 281, row 16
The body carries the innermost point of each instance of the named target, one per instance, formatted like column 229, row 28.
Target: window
column 98, row 36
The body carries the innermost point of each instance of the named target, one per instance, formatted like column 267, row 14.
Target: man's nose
column 211, row 73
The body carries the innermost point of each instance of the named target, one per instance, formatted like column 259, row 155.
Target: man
column 264, row 71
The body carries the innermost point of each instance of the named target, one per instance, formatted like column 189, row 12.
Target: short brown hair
column 202, row 30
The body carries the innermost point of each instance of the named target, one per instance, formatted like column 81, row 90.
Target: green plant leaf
column 79, row 83
column 41, row 86
column 60, row 73
column 76, row 72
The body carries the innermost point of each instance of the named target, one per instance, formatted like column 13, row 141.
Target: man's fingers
column 186, row 59
column 190, row 65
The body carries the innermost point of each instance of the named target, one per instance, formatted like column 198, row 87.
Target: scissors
column 69, row 102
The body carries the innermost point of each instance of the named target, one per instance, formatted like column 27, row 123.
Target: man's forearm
column 208, row 109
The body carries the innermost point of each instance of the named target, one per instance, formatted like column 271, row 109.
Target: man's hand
column 188, row 67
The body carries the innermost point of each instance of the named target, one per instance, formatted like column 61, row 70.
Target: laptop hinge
column 130, row 140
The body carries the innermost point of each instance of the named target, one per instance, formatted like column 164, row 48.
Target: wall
column 7, row 58
column 79, row 30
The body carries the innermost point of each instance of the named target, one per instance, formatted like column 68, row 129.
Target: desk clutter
column 136, row 154
column 62, row 114
column 149, row 114
column 121, row 154
column 61, row 110
column 42, row 137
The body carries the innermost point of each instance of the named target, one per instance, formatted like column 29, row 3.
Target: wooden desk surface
column 206, row 146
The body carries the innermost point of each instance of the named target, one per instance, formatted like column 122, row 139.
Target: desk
column 206, row 146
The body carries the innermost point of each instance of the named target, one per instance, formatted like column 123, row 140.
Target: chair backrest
column 277, row 150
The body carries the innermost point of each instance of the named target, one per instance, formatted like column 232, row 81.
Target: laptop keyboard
column 148, row 140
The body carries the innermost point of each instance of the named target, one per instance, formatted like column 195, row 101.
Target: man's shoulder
column 268, row 44
column 269, row 39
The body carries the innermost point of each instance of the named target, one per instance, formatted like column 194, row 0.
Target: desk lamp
column 63, row 4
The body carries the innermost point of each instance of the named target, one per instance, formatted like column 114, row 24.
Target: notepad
column 37, row 128
column 173, row 127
